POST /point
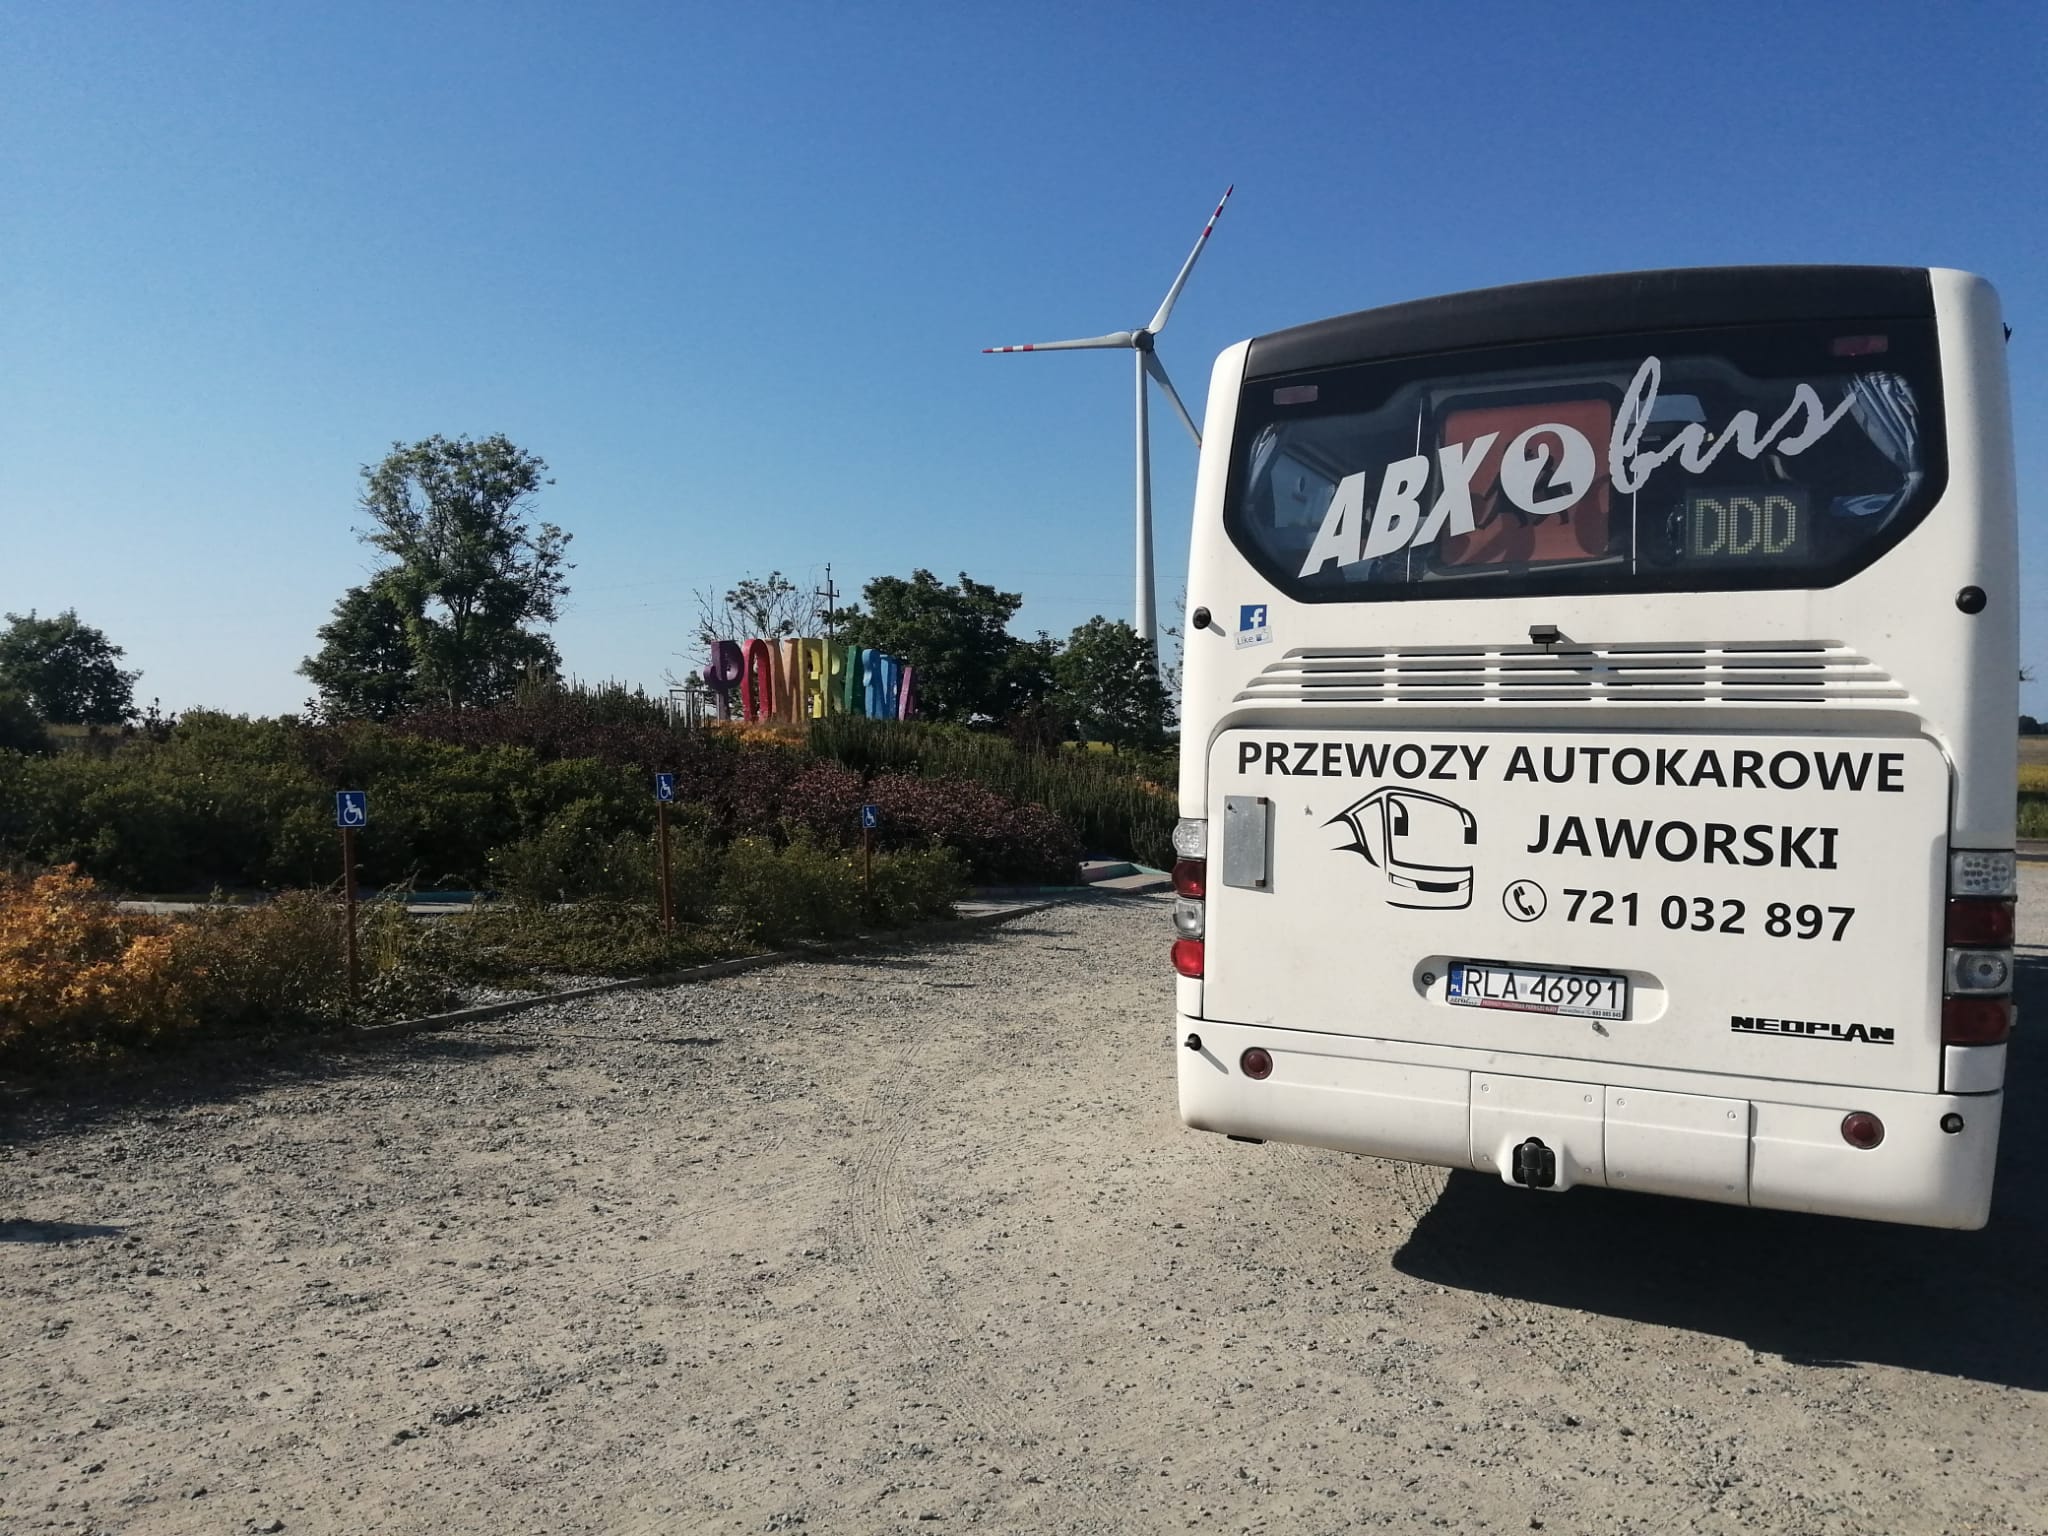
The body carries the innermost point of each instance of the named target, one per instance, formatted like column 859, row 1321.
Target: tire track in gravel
column 881, row 1239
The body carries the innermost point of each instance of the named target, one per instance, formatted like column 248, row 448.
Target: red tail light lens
column 1191, row 877
column 1976, row 1020
column 1979, row 922
column 1255, row 1063
column 1187, row 957
column 1862, row 1130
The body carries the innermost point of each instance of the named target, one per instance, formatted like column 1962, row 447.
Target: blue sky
column 728, row 268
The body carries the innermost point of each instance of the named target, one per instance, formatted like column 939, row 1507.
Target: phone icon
column 1524, row 900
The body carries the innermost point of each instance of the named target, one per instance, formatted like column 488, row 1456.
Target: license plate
column 1538, row 989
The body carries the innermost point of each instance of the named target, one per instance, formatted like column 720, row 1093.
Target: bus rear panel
column 1598, row 760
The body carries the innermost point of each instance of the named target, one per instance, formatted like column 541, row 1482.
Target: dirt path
column 917, row 1242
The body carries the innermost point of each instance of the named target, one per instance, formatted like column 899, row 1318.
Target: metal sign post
column 870, row 818
column 351, row 810
column 664, row 793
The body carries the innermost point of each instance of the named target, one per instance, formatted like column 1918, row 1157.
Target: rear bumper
column 1743, row 1141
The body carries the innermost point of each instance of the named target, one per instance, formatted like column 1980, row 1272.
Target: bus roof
column 1612, row 303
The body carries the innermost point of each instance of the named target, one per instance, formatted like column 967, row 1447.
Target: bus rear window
column 1758, row 457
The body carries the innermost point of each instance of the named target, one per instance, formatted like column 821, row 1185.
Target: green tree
column 968, row 663
column 760, row 607
column 21, row 728
column 365, row 668
column 68, row 670
column 1110, row 681
column 474, row 575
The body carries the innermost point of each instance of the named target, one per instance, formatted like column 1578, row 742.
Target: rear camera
column 1971, row 599
column 1953, row 1124
column 1255, row 1063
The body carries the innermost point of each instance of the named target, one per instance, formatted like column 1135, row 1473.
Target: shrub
column 282, row 964
column 78, row 981
column 914, row 885
column 997, row 838
column 799, row 891
column 1122, row 805
column 525, row 945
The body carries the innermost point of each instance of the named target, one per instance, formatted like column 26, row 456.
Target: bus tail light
column 1976, row 1020
column 1190, row 885
column 1977, row 968
column 1980, row 922
column 1862, row 1130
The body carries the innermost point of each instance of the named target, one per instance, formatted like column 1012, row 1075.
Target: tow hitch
column 1535, row 1165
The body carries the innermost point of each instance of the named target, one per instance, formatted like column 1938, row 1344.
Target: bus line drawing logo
column 1415, row 839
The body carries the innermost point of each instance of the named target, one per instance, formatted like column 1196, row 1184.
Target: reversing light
column 1976, row 1020
column 1191, row 839
column 1862, row 1130
column 1187, row 917
column 1187, row 957
column 1255, row 1063
column 1980, row 970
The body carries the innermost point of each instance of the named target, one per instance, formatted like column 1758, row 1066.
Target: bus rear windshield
column 1752, row 457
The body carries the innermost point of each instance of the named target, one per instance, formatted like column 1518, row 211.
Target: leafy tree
column 968, row 663
column 766, row 607
column 473, row 575
column 1111, row 683
column 365, row 668
column 68, row 670
column 21, row 728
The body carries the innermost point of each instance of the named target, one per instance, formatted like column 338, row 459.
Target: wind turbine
column 1145, row 361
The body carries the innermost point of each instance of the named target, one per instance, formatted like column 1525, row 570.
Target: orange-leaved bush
column 78, row 979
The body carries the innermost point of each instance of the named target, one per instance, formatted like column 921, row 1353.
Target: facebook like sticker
column 1251, row 625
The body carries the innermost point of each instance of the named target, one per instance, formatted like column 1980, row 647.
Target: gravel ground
column 916, row 1241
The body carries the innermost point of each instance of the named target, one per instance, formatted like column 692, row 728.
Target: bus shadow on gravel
column 1821, row 1291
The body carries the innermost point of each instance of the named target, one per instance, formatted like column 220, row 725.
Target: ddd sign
column 1723, row 526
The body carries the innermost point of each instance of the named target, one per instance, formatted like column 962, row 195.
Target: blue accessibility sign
column 352, row 808
column 870, row 817
column 665, row 788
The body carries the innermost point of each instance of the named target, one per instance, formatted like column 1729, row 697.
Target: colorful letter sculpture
column 797, row 680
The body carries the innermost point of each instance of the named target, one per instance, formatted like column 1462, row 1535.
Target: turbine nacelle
column 1140, row 342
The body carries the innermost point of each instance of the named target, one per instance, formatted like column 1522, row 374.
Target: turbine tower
column 1144, row 361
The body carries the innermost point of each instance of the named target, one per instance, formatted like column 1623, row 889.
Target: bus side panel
column 1215, row 582
column 1973, row 676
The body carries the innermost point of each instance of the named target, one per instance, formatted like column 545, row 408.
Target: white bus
column 1598, row 755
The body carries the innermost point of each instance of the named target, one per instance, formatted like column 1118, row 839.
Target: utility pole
column 830, row 595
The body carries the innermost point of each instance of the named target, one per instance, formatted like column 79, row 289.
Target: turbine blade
column 1113, row 339
column 1158, row 371
column 1166, row 305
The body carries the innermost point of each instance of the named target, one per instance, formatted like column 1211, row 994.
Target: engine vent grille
column 1734, row 672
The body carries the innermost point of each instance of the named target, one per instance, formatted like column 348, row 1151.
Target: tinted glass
column 1754, row 457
